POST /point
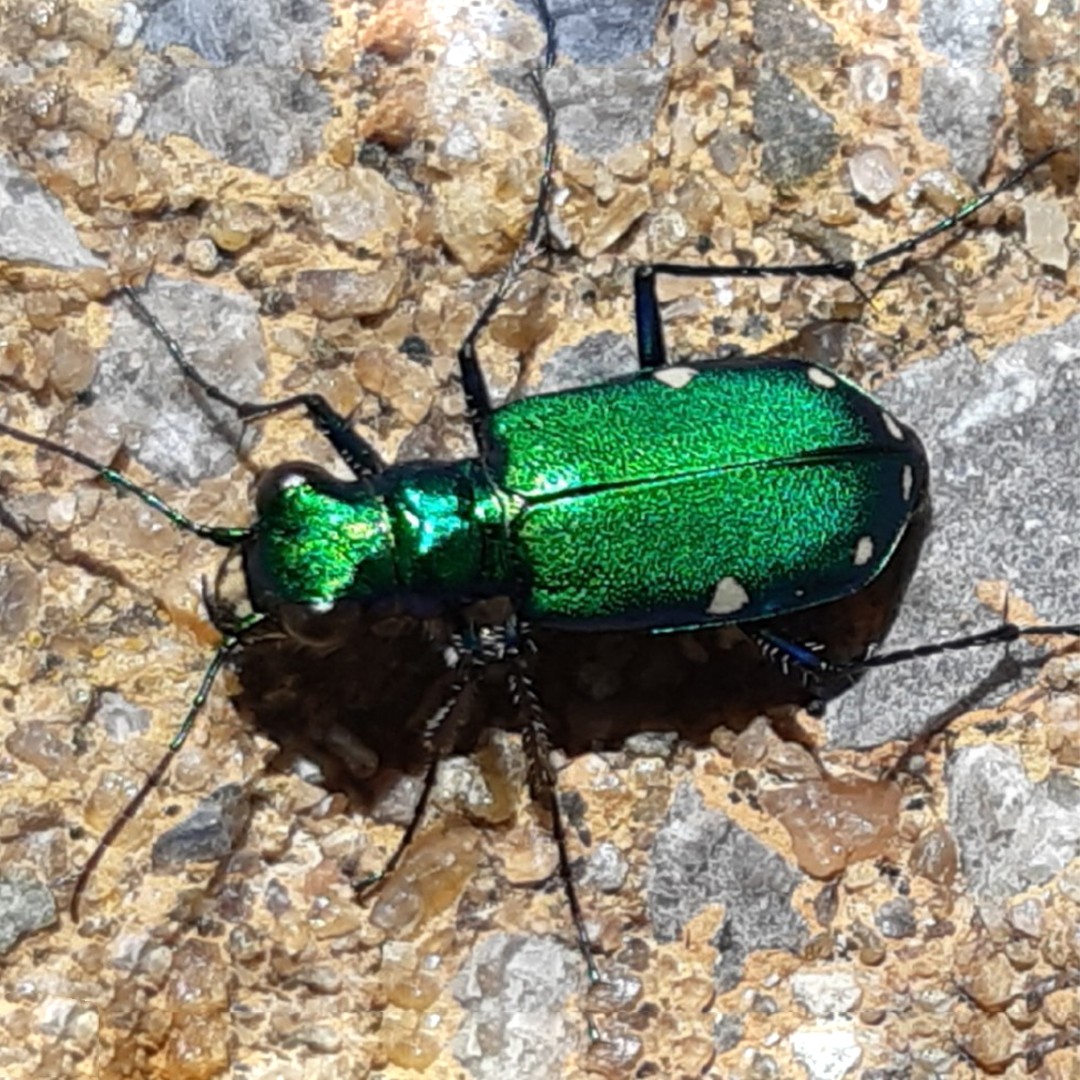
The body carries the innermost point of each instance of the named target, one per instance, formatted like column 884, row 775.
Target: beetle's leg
column 360, row 456
column 543, row 785
column 470, row 650
column 437, row 738
column 972, row 206
column 473, row 385
column 805, row 658
column 227, row 646
column 806, row 661
column 1001, row 635
column 544, row 790
column 650, row 342
column 817, row 669
column 650, row 330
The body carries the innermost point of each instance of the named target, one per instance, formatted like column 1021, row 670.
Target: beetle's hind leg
column 829, row 679
column 650, row 336
column 811, row 660
column 357, row 453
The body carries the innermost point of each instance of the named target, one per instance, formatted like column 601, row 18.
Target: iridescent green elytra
column 721, row 492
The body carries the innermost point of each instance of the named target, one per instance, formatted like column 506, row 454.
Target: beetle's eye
column 277, row 479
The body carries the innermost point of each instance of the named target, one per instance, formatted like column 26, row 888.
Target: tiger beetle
column 729, row 492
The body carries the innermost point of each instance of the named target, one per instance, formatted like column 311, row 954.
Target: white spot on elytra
column 820, row 378
column 290, row 480
column 321, row 607
column 728, row 597
column 675, row 377
column 907, row 481
column 864, row 550
column 891, row 426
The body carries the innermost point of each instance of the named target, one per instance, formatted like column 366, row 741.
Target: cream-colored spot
column 728, row 598
column 290, row 480
column 891, row 426
column 907, row 482
column 820, row 378
column 321, row 607
column 864, row 550
column 675, row 377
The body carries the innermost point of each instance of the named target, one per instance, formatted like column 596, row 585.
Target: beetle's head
column 320, row 549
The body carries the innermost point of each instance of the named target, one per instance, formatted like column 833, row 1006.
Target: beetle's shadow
column 358, row 711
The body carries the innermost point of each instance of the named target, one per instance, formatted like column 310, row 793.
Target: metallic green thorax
column 719, row 492
column 417, row 537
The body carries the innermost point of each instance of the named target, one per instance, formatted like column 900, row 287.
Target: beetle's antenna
column 222, row 535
